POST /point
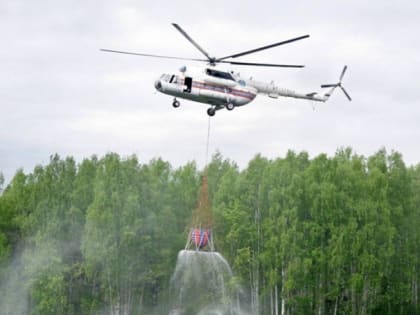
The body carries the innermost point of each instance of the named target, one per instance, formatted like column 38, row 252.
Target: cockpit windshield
column 165, row 77
column 171, row 78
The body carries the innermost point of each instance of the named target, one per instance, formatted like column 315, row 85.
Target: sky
column 60, row 94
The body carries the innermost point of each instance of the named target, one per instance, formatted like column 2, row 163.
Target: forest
column 323, row 235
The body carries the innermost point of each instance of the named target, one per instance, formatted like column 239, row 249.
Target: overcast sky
column 60, row 94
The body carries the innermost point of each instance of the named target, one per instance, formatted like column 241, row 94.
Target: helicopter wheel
column 176, row 103
column 230, row 106
column 211, row 111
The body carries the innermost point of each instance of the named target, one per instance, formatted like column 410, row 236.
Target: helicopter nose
column 158, row 85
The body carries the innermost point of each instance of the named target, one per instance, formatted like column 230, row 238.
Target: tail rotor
column 339, row 84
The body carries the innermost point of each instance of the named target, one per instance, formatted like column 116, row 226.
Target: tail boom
column 274, row 91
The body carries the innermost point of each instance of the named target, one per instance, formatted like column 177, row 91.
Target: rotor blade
column 191, row 41
column 263, row 48
column 328, row 85
column 347, row 94
column 342, row 73
column 149, row 55
column 260, row 64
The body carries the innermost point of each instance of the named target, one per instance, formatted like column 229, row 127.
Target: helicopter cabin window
column 219, row 74
column 172, row 79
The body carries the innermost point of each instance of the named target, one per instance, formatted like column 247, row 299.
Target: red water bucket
column 200, row 237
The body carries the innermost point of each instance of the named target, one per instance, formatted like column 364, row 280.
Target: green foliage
column 4, row 248
column 1, row 182
column 327, row 235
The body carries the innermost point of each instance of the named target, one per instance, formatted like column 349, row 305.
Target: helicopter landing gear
column 230, row 106
column 211, row 111
column 176, row 103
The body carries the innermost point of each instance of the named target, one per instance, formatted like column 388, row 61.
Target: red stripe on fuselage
column 223, row 89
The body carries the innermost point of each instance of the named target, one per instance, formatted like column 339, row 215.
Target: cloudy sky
column 60, row 94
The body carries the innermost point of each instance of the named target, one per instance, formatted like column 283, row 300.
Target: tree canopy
column 325, row 235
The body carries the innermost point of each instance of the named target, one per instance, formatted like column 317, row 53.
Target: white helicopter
column 222, row 89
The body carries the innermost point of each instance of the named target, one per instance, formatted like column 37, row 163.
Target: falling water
column 202, row 284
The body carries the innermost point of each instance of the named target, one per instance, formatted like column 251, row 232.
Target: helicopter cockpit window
column 219, row 74
column 165, row 77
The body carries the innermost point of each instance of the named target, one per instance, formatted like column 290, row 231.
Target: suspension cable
column 208, row 141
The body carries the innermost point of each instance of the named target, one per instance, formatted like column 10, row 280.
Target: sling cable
column 200, row 235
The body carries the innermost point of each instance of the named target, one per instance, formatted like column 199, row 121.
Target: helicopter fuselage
column 222, row 89
column 208, row 86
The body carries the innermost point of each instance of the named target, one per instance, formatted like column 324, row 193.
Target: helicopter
column 226, row 89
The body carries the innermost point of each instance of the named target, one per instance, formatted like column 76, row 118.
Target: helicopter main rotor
column 213, row 60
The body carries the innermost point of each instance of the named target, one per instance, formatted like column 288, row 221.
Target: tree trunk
column 254, row 286
column 336, row 304
column 111, row 301
column 141, row 297
column 127, row 306
column 365, row 297
column 256, row 277
column 414, row 286
column 283, row 291
column 321, row 300
column 271, row 302
column 353, row 294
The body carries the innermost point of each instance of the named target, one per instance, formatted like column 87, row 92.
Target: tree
column 1, row 183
